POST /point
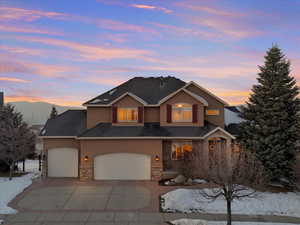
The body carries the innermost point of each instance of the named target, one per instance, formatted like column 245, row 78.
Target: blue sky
column 66, row 52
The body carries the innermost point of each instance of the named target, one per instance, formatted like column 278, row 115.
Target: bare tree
column 233, row 174
column 16, row 139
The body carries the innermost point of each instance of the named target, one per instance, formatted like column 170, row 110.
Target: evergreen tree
column 271, row 126
column 17, row 141
column 53, row 113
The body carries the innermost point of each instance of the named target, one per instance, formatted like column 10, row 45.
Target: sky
column 66, row 52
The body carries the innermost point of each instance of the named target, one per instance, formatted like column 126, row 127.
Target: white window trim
column 128, row 121
column 187, row 109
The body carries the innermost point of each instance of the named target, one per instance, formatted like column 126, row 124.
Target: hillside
column 37, row 113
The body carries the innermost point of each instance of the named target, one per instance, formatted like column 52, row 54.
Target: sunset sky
column 66, row 52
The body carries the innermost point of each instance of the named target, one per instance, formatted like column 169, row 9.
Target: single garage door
column 63, row 162
column 122, row 166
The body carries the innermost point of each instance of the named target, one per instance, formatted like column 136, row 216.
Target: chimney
column 1, row 99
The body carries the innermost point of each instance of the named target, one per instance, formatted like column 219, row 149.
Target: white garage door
column 122, row 166
column 63, row 162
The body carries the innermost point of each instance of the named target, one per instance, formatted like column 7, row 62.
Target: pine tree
column 53, row 113
column 271, row 126
column 17, row 141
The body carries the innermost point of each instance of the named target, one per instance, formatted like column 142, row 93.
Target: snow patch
column 199, row 181
column 190, row 200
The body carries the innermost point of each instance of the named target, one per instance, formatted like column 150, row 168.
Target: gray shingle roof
column 148, row 130
column 69, row 123
column 149, row 89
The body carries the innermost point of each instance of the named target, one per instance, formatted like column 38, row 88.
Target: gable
column 127, row 101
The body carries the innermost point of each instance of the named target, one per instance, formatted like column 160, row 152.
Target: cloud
column 11, row 79
column 22, row 50
column 11, row 66
column 91, row 52
column 28, row 15
column 26, row 29
column 231, row 23
column 151, row 7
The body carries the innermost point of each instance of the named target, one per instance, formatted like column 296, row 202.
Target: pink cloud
column 151, row 7
column 22, row 50
column 91, row 52
column 26, row 29
column 10, row 13
column 11, row 79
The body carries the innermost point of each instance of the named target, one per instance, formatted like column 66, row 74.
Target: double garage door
column 63, row 162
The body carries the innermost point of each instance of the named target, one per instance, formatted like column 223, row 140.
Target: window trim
column 128, row 121
column 187, row 108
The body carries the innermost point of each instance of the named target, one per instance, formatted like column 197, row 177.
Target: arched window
column 182, row 112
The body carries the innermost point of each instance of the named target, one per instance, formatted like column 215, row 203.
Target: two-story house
column 137, row 131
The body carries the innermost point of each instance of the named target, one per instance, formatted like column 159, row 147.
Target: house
column 138, row 130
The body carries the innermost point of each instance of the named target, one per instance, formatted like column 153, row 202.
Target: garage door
column 63, row 162
column 122, row 166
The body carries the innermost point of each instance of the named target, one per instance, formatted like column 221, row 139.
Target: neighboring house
column 137, row 131
column 232, row 115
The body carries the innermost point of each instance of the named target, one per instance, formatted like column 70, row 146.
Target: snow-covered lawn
column 10, row 189
column 202, row 222
column 189, row 200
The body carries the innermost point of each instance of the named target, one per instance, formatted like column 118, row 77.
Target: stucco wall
column 181, row 97
column 151, row 114
column 213, row 103
column 93, row 148
column 97, row 115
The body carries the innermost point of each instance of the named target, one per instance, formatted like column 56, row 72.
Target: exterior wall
column 93, row 148
column 151, row 114
column 213, row 103
column 57, row 143
column 181, row 97
column 97, row 115
column 128, row 101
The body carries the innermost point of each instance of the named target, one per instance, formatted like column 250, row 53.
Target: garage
column 122, row 166
column 63, row 162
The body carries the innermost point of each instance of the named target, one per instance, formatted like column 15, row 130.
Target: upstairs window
column 127, row 114
column 182, row 112
column 212, row 112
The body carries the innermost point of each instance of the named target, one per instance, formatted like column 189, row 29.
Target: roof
column 234, row 109
column 150, row 89
column 69, row 123
column 148, row 130
column 233, row 129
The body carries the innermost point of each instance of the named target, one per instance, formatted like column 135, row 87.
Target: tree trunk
column 229, row 212
column 11, row 169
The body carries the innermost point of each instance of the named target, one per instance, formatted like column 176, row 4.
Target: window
column 212, row 112
column 127, row 114
column 180, row 150
column 182, row 112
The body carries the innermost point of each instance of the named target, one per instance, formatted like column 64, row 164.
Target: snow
column 199, row 181
column 9, row 189
column 202, row 222
column 265, row 203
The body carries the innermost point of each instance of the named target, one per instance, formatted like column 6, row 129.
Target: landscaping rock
column 189, row 181
column 180, row 179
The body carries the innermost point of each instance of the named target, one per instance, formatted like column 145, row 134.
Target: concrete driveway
column 58, row 194
column 63, row 201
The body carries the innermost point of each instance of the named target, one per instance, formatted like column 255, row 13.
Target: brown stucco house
column 138, row 130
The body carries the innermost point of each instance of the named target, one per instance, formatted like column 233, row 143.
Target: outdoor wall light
column 86, row 158
column 156, row 158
